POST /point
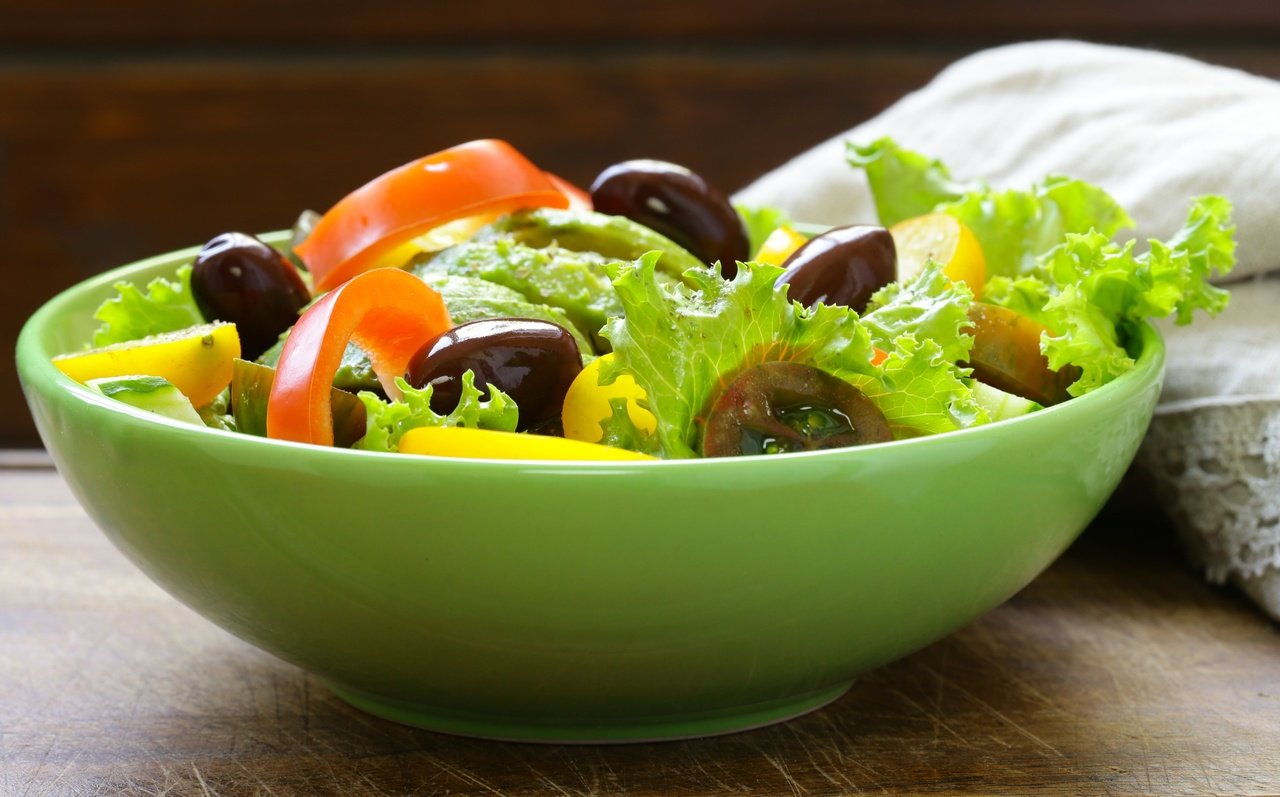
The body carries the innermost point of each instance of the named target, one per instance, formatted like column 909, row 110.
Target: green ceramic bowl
column 585, row 602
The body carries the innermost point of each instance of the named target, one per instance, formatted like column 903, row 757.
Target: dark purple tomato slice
column 532, row 361
column 843, row 266
column 780, row 407
column 678, row 203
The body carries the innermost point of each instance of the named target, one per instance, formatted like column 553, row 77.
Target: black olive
column 842, row 266
column 779, row 407
column 677, row 203
column 532, row 361
column 240, row 279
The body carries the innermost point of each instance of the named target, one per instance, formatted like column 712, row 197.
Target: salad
column 470, row 304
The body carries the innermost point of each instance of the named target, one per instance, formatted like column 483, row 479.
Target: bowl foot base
column 591, row 730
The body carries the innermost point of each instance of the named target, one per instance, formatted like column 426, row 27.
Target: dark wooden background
column 130, row 127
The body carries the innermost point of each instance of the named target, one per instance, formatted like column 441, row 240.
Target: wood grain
column 327, row 22
column 1116, row 672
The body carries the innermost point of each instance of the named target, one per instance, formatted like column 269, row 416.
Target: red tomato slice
column 486, row 176
column 387, row 312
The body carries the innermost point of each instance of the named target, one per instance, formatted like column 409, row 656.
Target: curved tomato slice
column 387, row 312
column 486, row 176
column 578, row 199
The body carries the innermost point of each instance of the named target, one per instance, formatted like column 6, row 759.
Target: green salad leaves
column 684, row 342
column 388, row 421
column 685, row 334
column 1050, row 255
column 165, row 306
column 1013, row 226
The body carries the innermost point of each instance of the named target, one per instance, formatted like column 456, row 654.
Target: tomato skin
column 486, row 176
column 1006, row 355
column 387, row 312
column 942, row 238
column 457, row 441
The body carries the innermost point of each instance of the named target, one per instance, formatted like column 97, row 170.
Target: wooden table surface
column 1116, row 672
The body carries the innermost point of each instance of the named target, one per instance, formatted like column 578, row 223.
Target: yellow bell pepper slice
column 458, row 441
column 781, row 244
column 586, row 403
column 197, row 360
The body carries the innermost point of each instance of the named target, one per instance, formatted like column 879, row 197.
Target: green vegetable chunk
column 574, row 282
column 610, row 237
column 152, row 393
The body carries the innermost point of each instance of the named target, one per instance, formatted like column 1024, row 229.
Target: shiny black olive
column 842, row 266
column 533, row 362
column 240, row 279
column 677, row 203
column 779, row 407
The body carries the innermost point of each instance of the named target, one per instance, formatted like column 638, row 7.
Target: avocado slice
column 574, row 282
column 611, row 237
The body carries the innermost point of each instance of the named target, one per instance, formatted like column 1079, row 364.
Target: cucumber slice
column 1001, row 405
column 152, row 393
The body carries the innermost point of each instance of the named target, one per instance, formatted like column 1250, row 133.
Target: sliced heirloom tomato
column 779, row 407
column 387, row 312
column 486, row 176
column 1006, row 355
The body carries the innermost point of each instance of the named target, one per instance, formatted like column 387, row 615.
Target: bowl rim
column 37, row 374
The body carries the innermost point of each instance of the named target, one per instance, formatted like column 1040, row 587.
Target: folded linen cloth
column 1153, row 129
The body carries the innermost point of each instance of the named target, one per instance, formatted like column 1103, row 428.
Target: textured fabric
column 1154, row 130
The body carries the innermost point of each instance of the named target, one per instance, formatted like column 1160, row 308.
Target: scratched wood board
column 1116, row 672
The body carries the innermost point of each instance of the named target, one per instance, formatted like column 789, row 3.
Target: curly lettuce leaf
column 904, row 184
column 930, row 306
column 682, row 343
column 1089, row 292
column 1014, row 227
column 922, row 391
column 165, row 306
column 388, row 421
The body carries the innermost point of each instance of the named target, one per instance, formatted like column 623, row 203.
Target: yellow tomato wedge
column 586, row 404
column 197, row 360
column 781, row 244
column 458, row 441
column 939, row 237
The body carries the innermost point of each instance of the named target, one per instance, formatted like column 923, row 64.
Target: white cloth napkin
column 1154, row 130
